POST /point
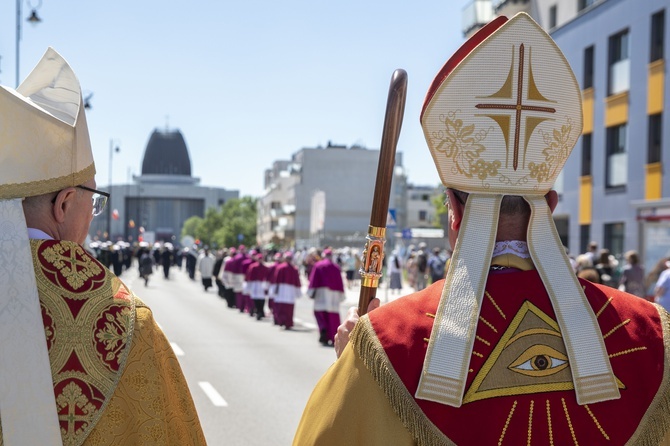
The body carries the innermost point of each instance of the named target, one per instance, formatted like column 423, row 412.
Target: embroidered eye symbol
column 539, row 360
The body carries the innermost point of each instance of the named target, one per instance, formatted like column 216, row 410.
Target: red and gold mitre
column 501, row 118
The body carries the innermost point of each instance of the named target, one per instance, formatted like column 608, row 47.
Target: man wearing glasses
column 82, row 360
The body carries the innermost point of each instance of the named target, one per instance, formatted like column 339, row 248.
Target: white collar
column 38, row 234
column 514, row 247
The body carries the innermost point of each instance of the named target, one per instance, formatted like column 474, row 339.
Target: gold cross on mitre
column 507, row 92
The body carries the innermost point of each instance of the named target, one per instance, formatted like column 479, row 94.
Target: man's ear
column 64, row 202
column 456, row 211
column 552, row 199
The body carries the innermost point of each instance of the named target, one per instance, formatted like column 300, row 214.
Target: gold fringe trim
column 656, row 422
column 34, row 188
column 369, row 349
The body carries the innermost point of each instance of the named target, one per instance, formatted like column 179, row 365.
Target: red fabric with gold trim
column 88, row 317
column 519, row 386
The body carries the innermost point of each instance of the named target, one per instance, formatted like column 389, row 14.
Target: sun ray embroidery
column 595, row 420
column 616, row 328
column 495, row 304
column 603, row 307
column 509, row 418
column 551, row 433
column 530, row 421
column 477, row 354
column 488, row 324
column 625, row 352
column 480, row 339
column 567, row 417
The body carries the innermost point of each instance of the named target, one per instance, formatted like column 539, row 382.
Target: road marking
column 212, row 394
column 177, row 351
column 305, row 324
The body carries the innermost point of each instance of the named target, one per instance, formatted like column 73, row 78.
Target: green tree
column 191, row 226
column 221, row 227
column 238, row 217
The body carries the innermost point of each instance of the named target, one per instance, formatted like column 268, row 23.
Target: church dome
column 166, row 154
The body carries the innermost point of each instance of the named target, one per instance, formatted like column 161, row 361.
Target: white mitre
column 501, row 118
column 44, row 147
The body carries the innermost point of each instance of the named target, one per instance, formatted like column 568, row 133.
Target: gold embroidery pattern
column 595, row 420
column 116, row 378
column 463, row 146
column 555, row 153
column 567, row 417
column 77, row 408
column 509, row 418
column 72, row 263
column 551, row 433
column 80, row 315
column 530, row 421
column 112, row 336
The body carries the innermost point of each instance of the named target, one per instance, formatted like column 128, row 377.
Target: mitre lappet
column 44, row 147
column 501, row 118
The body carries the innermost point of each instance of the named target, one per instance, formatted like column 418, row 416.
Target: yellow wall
column 652, row 181
column 655, row 91
column 585, row 199
column 587, row 107
column 616, row 109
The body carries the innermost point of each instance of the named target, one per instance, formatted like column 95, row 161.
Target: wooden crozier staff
column 373, row 254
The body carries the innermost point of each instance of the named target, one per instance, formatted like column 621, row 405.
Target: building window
column 619, row 63
column 588, row 68
column 614, row 238
column 655, row 134
column 584, row 237
column 583, row 4
column 563, row 229
column 657, row 35
column 423, row 215
column 586, row 154
column 617, row 157
column 552, row 17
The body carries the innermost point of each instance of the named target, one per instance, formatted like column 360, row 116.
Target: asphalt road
column 249, row 379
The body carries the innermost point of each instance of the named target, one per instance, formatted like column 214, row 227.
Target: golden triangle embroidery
column 529, row 358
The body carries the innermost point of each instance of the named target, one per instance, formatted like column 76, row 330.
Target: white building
column 323, row 196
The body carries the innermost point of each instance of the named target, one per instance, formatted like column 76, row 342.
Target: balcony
column 476, row 14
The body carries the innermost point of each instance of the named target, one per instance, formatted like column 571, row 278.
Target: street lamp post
column 34, row 19
column 112, row 149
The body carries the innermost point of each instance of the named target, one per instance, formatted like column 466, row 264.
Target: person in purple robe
column 286, row 290
column 326, row 287
column 257, row 285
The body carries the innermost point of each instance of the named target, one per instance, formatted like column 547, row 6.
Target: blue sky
column 246, row 82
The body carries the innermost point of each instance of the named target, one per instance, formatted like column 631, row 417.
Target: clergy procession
column 490, row 338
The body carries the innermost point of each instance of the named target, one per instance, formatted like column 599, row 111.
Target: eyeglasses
column 99, row 199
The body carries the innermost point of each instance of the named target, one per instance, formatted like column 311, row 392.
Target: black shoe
column 324, row 337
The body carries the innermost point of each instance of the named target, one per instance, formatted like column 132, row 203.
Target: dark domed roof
column 166, row 154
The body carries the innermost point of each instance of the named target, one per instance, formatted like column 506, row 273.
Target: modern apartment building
column 323, row 196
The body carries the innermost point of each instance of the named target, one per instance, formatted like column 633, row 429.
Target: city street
column 250, row 380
